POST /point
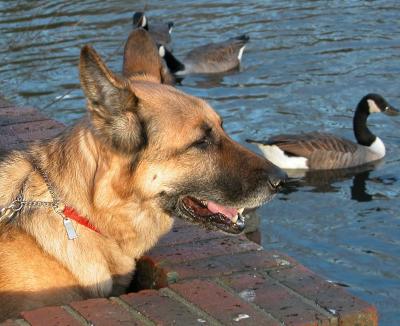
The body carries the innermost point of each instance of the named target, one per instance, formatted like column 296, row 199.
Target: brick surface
column 13, row 115
column 161, row 309
column 103, row 312
column 49, row 316
column 19, row 135
column 21, row 126
column 188, row 233
column 349, row 309
column 165, row 273
column 197, row 250
column 220, row 304
column 179, row 222
column 277, row 300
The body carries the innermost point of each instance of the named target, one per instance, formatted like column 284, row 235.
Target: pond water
column 306, row 67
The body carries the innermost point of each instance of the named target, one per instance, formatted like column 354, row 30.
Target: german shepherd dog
column 78, row 210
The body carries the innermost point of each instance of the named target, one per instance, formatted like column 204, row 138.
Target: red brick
column 14, row 115
column 161, row 309
column 151, row 274
column 277, row 300
column 254, row 236
column 19, row 135
column 228, row 245
column 46, row 128
column 221, row 304
column 349, row 309
column 49, row 316
column 179, row 222
column 103, row 312
column 162, row 274
column 188, row 233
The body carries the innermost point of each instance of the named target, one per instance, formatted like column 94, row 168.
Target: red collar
column 73, row 215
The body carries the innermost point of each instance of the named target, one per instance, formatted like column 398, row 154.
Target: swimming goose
column 161, row 32
column 323, row 151
column 209, row 58
column 141, row 58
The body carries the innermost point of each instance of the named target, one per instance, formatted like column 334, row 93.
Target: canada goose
column 141, row 58
column 161, row 32
column 317, row 151
column 209, row 58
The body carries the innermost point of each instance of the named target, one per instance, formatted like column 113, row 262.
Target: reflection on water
column 325, row 181
column 358, row 189
column 307, row 65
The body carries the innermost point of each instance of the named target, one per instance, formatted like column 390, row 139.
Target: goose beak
column 391, row 111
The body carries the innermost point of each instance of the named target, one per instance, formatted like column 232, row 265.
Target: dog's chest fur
column 93, row 265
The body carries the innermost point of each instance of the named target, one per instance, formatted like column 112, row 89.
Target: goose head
column 140, row 20
column 375, row 103
column 370, row 103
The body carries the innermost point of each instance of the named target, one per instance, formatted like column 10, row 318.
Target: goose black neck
column 363, row 135
column 173, row 64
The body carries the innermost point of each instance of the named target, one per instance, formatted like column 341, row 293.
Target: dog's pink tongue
column 227, row 211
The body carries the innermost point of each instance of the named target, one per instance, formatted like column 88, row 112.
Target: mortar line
column 76, row 315
column 137, row 314
column 223, row 285
column 324, row 311
column 192, row 307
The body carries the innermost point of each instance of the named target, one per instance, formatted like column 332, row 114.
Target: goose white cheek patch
column 161, row 51
column 373, row 108
column 144, row 21
column 241, row 53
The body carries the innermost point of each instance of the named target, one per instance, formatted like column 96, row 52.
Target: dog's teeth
column 240, row 210
column 235, row 218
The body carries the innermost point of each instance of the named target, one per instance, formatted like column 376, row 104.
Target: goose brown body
column 209, row 58
column 325, row 151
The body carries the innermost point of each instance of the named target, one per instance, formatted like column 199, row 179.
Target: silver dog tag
column 69, row 228
column 6, row 213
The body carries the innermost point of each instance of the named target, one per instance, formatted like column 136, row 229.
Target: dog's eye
column 202, row 143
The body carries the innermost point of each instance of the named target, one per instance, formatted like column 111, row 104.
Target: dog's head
column 179, row 158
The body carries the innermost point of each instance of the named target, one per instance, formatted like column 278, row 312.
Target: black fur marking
column 141, row 146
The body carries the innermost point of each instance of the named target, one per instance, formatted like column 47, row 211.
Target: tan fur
column 115, row 167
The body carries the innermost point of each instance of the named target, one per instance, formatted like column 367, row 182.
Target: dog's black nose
column 277, row 179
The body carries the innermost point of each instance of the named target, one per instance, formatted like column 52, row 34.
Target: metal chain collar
column 7, row 213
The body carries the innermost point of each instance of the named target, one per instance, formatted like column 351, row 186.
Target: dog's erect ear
column 113, row 106
column 105, row 92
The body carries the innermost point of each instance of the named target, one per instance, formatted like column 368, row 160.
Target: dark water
column 307, row 66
